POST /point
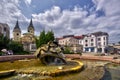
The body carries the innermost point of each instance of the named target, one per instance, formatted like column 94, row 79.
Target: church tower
column 17, row 32
column 31, row 28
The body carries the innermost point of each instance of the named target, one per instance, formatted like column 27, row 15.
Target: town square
column 59, row 40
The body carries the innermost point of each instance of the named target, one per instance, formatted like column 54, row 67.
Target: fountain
column 50, row 62
column 51, row 54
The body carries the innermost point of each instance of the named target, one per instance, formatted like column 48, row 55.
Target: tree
column 41, row 39
column 3, row 42
column 44, row 38
column 16, row 47
column 37, row 42
column 67, row 50
column 49, row 36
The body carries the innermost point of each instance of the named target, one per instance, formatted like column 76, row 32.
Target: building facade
column 17, row 32
column 5, row 30
column 27, row 39
column 72, row 42
column 68, row 41
column 94, row 42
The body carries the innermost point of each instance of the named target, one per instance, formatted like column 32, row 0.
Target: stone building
column 68, row 41
column 17, row 33
column 27, row 39
column 71, row 41
column 5, row 30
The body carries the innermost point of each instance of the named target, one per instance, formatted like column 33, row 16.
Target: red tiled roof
column 59, row 38
column 79, row 37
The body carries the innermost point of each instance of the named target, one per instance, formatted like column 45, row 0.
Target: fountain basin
column 6, row 73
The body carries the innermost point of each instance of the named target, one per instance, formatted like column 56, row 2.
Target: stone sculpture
column 51, row 54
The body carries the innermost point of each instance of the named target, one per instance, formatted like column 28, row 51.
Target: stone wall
column 72, row 56
column 15, row 57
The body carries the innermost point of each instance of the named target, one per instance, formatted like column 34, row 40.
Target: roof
column 79, row 37
column 31, row 24
column 59, row 38
column 17, row 28
column 68, row 36
column 99, row 33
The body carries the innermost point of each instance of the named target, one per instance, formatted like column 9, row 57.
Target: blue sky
column 64, row 17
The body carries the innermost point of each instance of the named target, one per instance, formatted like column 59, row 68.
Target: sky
column 64, row 17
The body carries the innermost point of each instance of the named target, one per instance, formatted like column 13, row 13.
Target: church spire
column 17, row 32
column 31, row 24
column 31, row 27
column 17, row 28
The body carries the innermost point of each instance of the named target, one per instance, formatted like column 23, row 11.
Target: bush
column 79, row 53
column 1, row 53
column 22, row 53
column 67, row 50
column 16, row 47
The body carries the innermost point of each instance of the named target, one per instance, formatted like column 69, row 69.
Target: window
column 99, row 39
column 17, row 34
column 92, row 44
column 91, row 40
column 79, row 41
column 104, row 43
column 104, row 38
column 86, row 40
column 99, row 44
column 86, row 44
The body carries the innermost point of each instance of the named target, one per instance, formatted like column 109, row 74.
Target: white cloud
column 77, row 22
column 111, row 7
column 28, row 2
column 10, row 12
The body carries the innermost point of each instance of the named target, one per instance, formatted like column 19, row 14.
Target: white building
column 95, row 42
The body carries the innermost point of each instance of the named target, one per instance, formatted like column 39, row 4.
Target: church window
column 17, row 34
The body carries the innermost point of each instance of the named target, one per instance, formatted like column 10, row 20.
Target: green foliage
column 37, row 42
column 80, row 53
column 44, row 38
column 8, row 44
column 1, row 53
column 49, row 36
column 16, row 47
column 67, row 50
column 3, row 42
column 41, row 39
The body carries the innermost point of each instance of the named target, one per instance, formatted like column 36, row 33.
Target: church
column 27, row 39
